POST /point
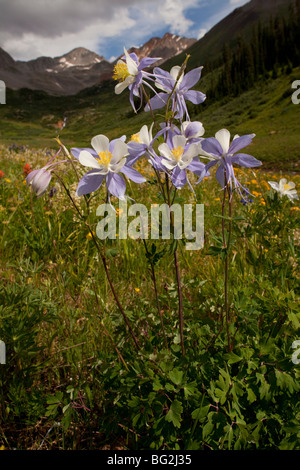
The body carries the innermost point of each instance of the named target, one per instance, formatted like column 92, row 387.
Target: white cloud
column 238, row 2
column 31, row 45
column 42, row 28
column 201, row 33
column 32, row 33
column 39, row 27
column 220, row 13
column 172, row 13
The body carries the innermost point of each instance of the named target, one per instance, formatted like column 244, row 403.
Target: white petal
column 100, row 143
column 191, row 152
column 131, row 64
column 120, row 151
column 122, row 85
column 160, row 86
column 184, row 125
column 223, row 136
column 165, row 151
column 150, row 132
column 183, row 164
column 174, row 73
column 103, row 170
column 202, row 153
column 179, row 141
column 169, row 164
column 86, row 159
column 115, row 168
column 274, row 185
column 144, row 136
column 282, row 184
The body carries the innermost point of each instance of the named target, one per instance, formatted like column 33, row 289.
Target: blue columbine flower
column 193, row 131
column 179, row 86
column 177, row 156
column 107, row 159
column 139, row 144
column 40, row 179
column 219, row 150
column 129, row 72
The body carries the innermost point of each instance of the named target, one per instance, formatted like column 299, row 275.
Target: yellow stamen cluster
column 120, row 71
column 104, row 158
column 136, row 138
column 177, row 153
column 287, row 186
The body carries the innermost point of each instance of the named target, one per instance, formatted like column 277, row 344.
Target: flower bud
column 40, row 180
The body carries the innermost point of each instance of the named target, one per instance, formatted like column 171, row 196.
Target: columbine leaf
column 190, row 389
column 207, row 429
column 251, row 397
column 232, row 358
column 174, row 413
column 176, row 376
column 200, row 413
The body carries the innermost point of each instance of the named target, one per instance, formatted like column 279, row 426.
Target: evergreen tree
column 273, row 46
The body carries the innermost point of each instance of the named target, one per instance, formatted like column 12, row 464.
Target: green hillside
column 266, row 110
column 248, row 91
column 241, row 22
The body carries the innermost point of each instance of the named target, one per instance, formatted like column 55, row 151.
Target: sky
column 34, row 28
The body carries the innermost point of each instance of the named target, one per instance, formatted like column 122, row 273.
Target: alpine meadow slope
column 248, row 86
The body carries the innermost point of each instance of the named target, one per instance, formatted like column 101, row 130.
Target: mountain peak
column 5, row 59
column 79, row 57
column 167, row 46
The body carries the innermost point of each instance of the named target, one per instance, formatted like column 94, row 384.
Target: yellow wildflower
column 90, row 235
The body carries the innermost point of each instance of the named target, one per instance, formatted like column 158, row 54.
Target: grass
column 73, row 378
column 268, row 111
column 65, row 336
column 29, row 118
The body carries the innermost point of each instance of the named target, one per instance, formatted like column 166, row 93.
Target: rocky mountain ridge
column 79, row 68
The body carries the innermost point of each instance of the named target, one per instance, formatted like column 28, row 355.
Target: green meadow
column 29, row 118
column 74, row 378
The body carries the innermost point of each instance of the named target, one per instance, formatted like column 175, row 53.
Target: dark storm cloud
column 48, row 19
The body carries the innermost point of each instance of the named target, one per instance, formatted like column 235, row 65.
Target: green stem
column 178, row 280
column 181, row 71
column 115, row 295
column 153, row 276
column 147, row 98
column 226, row 245
column 106, row 332
column 157, row 129
column 103, row 259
